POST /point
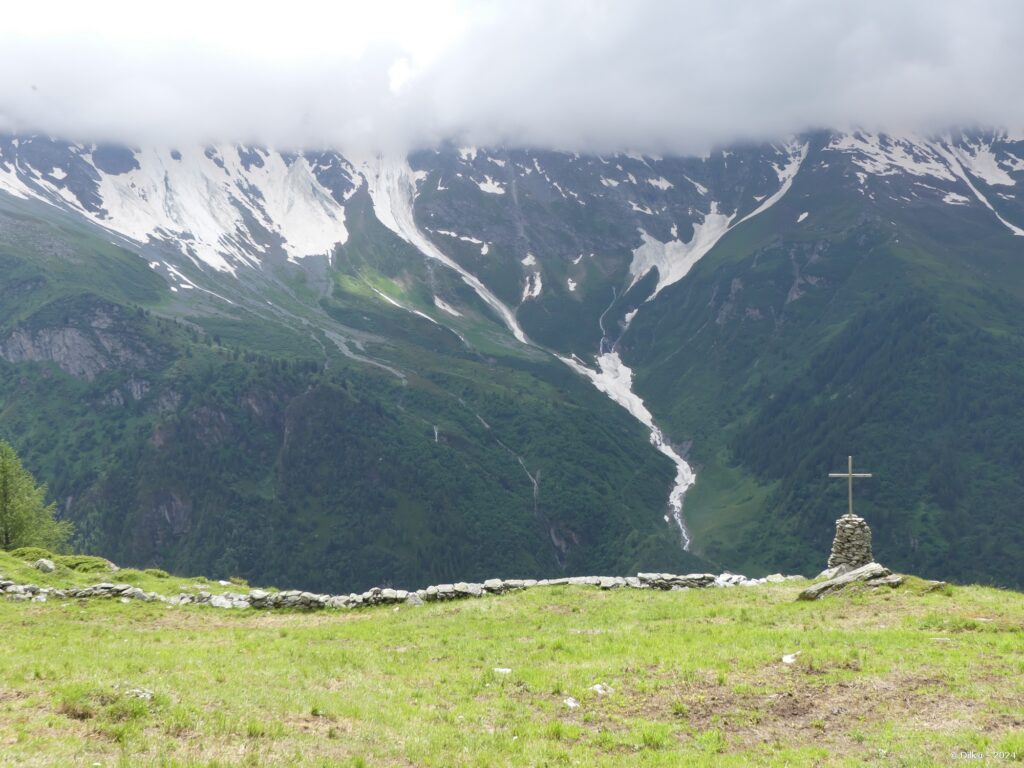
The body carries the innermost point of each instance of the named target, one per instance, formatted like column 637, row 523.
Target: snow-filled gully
column 615, row 379
column 392, row 186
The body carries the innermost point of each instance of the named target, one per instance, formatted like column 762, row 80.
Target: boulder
column 866, row 573
column 44, row 565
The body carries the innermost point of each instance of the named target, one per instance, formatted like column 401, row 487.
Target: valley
column 461, row 297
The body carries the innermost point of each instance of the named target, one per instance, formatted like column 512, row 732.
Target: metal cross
column 849, row 475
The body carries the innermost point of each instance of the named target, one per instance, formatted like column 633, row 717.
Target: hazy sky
column 653, row 75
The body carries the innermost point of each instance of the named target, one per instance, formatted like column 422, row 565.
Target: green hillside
column 237, row 438
column 694, row 678
column 891, row 334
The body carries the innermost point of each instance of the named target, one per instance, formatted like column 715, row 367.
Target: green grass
column 899, row 677
column 84, row 571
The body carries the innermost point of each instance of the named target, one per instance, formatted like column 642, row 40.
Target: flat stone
column 864, row 573
column 831, row 573
column 893, row 580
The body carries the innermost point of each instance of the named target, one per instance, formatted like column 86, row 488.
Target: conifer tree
column 26, row 520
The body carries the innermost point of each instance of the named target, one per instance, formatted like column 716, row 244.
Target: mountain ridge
column 497, row 246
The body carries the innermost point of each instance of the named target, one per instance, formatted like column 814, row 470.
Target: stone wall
column 297, row 599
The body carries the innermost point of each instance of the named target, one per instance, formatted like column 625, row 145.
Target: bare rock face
column 852, row 544
column 69, row 348
column 101, row 341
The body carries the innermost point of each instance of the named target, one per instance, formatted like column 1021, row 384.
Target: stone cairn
column 852, row 545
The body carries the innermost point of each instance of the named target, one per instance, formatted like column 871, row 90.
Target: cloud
column 654, row 75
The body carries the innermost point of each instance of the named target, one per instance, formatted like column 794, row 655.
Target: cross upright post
column 849, row 475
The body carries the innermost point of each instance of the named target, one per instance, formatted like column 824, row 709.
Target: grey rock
column 893, row 580
column 44, row 565
column 864, row 573
column 831, row 573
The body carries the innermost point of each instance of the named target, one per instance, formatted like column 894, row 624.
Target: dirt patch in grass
column 790, row 708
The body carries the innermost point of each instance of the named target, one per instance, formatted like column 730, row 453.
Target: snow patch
column 802, row 216
column 532, row 287
column 701, row 189
column 490, row 186
column 571, row 283
column 204, row 203
column 954, row 164
column 12, row 185
column 446, row 307
column 952, row 198
column 786, row 173
column 457, row 236
column 890, row 155
column 529, row 260
column 979, row 160
column 675, row 259
column 661, row 183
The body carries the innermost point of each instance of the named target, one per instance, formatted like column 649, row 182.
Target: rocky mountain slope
column 384, row 360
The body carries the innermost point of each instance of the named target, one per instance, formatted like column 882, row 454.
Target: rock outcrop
column 871, row 574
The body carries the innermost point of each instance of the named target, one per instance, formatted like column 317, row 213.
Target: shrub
column 32, row 553
column 157, row 573
column 83, row 563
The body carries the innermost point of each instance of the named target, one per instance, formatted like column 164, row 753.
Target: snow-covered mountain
column 231, row 208
column 558, row 254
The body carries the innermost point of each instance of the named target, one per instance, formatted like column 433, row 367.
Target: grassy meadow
column 905, row 677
